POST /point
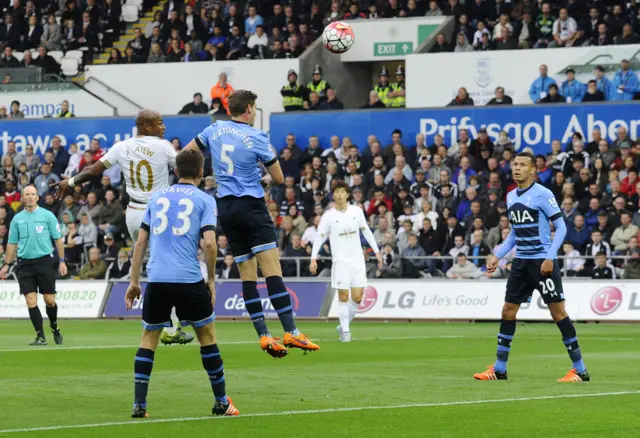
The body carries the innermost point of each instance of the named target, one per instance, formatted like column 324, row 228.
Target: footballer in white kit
column 342, row 225
column 144, row 161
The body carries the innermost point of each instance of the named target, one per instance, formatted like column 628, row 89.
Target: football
column 338, row 37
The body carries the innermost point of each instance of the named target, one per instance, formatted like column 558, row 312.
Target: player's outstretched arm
column 191, row 145
column 84, row 176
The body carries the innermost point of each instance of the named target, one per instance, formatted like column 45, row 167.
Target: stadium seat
column 69, row 66
column 19, row 56
column 34, row 54
column 74, row 54
column 57, row 55
column 130, row 13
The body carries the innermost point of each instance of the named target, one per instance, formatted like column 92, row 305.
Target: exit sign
column 392, row 49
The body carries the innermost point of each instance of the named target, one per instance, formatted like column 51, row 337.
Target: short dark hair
column 601, row 254
column 240, row 100
column 528, row 155
column 340, row 185
column 189, row 162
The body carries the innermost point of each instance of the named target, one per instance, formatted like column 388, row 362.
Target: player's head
column 190, row 165
column 30, row 196
column 523, row 167
column 242, row 105
column 340, row 192
column 150, row 122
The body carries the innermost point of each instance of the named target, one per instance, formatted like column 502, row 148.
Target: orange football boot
column 490, row 374
column 575, row 376
column 272, row 347
column 301, row 341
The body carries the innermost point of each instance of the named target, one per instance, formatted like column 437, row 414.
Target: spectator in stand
column 155, row 55
column 87, row 229
column 571, row 89
column 120, row 268
column 15, row 112
column 74, row 160
column 462, row 99
column 95, row 268
column 111, row 217
column 44, row 179
column 7, row 60
column 195, row 107
column 628, row 36
column 540, row 87
column 391, row 263
column 60, row 154
column 622, row 234
column 354, row 13
column 236, row 44
column 51, row 34
column 602, row 270
column 625, row 83
column 441, row 44
column 501, row 98
column 593, row 94
column 109, row 249
column 462, row 44
column 573, row 263
column 553, row 96
column 462, row 269
column 565, row 30
column 332, row 102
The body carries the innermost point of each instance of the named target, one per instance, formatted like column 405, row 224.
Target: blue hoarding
column 533, row 125
column 81, row 130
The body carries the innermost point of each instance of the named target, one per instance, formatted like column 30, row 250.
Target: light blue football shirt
column 175, row 218
column 530, row 211
column 236, row 149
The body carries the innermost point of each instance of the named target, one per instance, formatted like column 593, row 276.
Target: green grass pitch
column 394, row 380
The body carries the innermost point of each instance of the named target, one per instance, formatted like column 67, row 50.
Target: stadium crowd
column 447, row 201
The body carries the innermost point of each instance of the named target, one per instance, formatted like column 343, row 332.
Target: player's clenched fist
column 133, row 293
column 492, row 264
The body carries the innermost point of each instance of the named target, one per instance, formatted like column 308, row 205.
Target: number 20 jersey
column 175, row 218
column 236, row 149
column 145, row 162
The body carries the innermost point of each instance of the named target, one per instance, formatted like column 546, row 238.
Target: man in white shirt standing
column 342, row 225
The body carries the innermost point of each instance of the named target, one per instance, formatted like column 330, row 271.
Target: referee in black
column 31, row 233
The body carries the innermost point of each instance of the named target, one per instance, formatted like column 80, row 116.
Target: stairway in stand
column 121, row 43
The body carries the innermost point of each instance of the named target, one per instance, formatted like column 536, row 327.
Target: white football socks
column 343, row 315
column 353, row 309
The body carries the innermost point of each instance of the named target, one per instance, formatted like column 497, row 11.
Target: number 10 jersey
column 145, row 162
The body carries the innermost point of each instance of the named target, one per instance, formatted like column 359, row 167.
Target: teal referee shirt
column 33, row 231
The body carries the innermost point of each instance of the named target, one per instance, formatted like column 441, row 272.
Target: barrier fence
column 440, row 299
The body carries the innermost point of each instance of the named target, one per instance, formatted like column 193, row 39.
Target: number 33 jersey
column 145, row 164
column 175, row 218
column 236, row 149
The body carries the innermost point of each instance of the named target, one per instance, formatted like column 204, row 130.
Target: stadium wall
column 528, row 125
column 481, row 72
column 38, row 104
column 169, row 87
column 602, row 301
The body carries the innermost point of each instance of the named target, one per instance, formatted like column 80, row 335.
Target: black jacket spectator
column 32, row 37
column 506, row 100
column 193, row 108
column 118, row 270
column 461, row 102
column 47, row 63
column 9, row 61
column 598, row 96
column 11, row 33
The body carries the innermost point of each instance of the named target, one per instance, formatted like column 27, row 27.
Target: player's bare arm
column 9, row 258
column 133, row 291
column 90, row 172
column 210, row 253
column 275, row 171
column 63, row 266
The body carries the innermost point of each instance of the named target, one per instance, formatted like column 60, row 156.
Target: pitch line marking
column 319, row 411
column 393, row 338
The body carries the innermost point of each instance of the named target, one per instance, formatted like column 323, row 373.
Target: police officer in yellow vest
column 398, row 91
column 318, row 84
column 65, row 112
column 384, row 88
column 293, row 94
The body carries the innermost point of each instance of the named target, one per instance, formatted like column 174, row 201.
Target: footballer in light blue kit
column 175, row 219
column 237, row 150
column 531, row 207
